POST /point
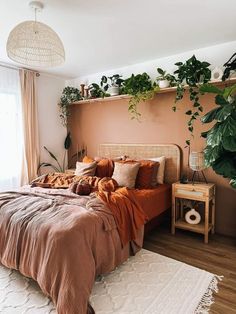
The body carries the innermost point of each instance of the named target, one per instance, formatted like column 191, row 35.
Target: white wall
column 216, row 55
column 51, row 131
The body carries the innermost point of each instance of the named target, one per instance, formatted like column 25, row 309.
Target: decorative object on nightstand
column 200, row 193
column 193, row 217
column 197, row 164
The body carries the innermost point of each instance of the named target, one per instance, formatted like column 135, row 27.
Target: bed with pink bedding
column 63, row 241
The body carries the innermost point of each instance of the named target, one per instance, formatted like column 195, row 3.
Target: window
column 11, row 129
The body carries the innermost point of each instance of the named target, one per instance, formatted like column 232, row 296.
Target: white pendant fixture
column 33, row 43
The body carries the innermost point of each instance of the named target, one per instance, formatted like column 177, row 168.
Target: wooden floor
column 218, row 257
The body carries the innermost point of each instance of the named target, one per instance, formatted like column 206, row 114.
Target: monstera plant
column 220, row 151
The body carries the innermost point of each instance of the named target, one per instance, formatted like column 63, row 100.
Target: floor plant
column 220, row 150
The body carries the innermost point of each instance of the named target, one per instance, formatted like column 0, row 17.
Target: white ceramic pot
column 164, row 83
column 114, row 90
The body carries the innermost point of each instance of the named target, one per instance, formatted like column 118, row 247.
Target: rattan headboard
column 145, row 151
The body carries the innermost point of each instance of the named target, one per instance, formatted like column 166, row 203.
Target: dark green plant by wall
column 114, row 80
column 140, row 87
column 62, row 166
column 192, row 72
column 220, row 151
column 69, row 95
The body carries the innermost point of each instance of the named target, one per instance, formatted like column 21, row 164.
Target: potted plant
column 96, row 91
column 140, row 87
column 220, row 150
column 69, row 95
column 165, row 80
column 114, row 86
column 230, row 66
column 192, row 72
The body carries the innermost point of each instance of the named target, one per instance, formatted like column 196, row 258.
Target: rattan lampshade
column 197, row 161
column 35, row 44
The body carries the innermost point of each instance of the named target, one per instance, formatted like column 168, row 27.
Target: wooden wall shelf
column 161, row 91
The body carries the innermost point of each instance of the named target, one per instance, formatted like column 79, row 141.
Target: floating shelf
column 161, row 91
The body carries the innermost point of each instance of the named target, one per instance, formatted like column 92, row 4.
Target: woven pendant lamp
column 33, row 43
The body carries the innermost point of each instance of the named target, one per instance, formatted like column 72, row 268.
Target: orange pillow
column 147, row 171
column 105, row 166
column 87, row 160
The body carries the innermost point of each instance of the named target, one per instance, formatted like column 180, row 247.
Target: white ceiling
column 99, row 35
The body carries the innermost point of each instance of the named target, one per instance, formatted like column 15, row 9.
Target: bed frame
column 145, row 151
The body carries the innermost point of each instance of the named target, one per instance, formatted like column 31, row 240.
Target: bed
column 64, row 241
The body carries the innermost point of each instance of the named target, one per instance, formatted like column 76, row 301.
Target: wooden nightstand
column 203, row 192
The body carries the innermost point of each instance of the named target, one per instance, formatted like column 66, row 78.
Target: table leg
column 206, row 221
column 173, row 214
column 213, row 215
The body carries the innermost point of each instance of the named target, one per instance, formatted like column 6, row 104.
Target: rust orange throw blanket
column 63, row 241
column 128, row 214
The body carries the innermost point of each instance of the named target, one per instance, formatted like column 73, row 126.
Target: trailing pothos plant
column 140, row 88
column 69, row 95
column 220, row 151
column 193, row 73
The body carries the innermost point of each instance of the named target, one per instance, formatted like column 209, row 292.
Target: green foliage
column 115, row 80
column 230, row 66
column 60, row 167
column 220, row 152
column 96, row 91
column 166, row 76
column 69, row 95
column 140, row 87
column 193, row 72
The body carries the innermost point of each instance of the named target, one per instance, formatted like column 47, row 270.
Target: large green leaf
column 225, row 166
column 228, row 91
column 208, row 88
column 54, row 157
column 210, row 116
column 215, row 135
column 211, row 154
column 220, row 100
column 47, row 164
column 229, row 143
column 233, row 183
column 228, row 127
column 223, row 112
column 67, row 142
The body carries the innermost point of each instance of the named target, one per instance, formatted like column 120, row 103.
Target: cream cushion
column 125, row 174
column 161, row 168
column 85, row 169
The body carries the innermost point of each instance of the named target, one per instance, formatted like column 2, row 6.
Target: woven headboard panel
column 145, row 151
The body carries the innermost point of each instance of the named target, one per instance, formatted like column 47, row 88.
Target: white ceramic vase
column 164, row 83
column 114, row 90
column 192, row 217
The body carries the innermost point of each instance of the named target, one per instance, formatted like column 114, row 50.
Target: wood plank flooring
column 218, row 257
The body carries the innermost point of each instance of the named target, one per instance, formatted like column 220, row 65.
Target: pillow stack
column 141, row 174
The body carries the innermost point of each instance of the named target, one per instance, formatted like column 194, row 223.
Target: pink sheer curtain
column 30, row 124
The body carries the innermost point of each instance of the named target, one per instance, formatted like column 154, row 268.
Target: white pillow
column 161, row 168
column 125, row 174
column 85, row 169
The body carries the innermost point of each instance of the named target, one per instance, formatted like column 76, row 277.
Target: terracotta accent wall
column 109, row 122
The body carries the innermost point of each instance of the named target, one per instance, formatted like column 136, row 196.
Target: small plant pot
column 114, row 90
column 164, row 83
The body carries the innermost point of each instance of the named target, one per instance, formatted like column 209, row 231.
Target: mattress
column 154, row 201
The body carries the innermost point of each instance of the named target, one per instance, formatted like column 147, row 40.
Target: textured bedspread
column 61, row 240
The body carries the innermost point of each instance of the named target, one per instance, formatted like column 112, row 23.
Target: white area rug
column 147, row 283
